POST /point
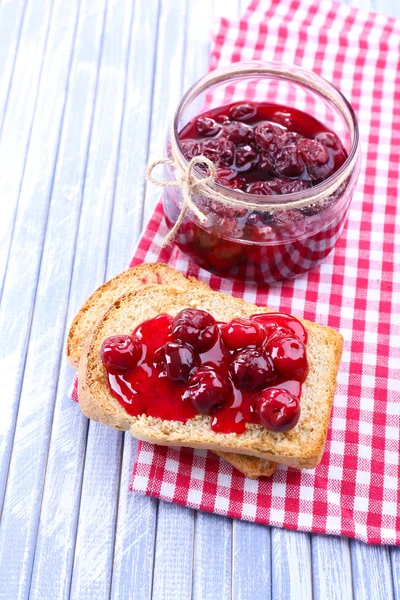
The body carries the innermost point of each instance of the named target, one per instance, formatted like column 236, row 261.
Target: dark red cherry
column 287, row 322
column 242, row 112
column 288, row 161
column 260, row 188
column 179, row 360
column 190, row 148
column 120, row 353
column 267, row 164
column 220, row 151
column 283, row 185
column 278, row 409
column 252, row 369
column 242, row 333
column 266, row 136
column 196, row 328
column 316, row 158
column 229, row 178
column 154, row 333
column 289, row 137
column 207, row 127
column 236, row 132
column 246, row 158
column 222, row 118
column 292, row 186
column 330, row 140
column 289, row 356
column 273, row 329
column 208, row 390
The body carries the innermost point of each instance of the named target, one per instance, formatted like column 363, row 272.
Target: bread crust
column 301, row 447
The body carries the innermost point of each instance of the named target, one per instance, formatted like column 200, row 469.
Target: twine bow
column 189, row 184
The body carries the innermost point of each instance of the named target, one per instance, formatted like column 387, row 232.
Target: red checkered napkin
column 355, row 491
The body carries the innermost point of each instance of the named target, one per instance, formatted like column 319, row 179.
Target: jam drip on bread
column 245, row 371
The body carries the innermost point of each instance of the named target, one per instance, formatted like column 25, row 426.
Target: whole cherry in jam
column 252, row 369
column 237, row 132
column 242, row 333
column 289, row 356
column 206, row 126
column 220, row 151
column 196, row 328
column 278, row 409
column 274, row 322
column 208, row 390
column 180, row 360
column 120, row 353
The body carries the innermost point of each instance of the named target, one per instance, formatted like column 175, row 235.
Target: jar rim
column 275, row 69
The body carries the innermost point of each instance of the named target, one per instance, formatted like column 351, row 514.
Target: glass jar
column 263, row 238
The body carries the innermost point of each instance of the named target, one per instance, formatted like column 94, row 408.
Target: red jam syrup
column 266, row 150
column 246, row 371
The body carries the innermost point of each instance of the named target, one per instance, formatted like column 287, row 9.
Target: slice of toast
column 300, row 447
column 96, row 305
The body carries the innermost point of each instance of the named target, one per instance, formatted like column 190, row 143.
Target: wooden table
column 86, row 87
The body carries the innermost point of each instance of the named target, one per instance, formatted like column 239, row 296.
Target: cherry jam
column 266, row 150
column 246, row 371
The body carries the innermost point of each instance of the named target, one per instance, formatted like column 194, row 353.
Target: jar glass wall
column 278, row 236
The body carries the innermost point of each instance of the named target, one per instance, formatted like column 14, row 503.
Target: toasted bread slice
column 97, row 304
column 301, row 447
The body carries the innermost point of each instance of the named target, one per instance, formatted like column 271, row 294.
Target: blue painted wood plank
column 291, row 564
column 135, row 536
column 372, row 575
column 95, row 536
column 251, row 564
column 22, row 497
column 172, row 567
column 17, row 124
column 387, row 7
column 135, row 530
column 395, row 564
column 331, row 568
column 24, row 260
column 173, row 563
column 60, row 503
column 133, row 157
column 11, row 20
column 167, row 84
column 212, row 559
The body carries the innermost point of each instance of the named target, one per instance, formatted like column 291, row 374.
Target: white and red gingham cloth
column 355, row 491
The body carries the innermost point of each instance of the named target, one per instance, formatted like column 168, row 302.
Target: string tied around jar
column 189, row 185
column 192, row 182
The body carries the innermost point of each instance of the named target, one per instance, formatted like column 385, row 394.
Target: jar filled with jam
column 285, row 147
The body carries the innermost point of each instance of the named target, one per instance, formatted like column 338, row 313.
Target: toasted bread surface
column 96, row 305
column 301, row 447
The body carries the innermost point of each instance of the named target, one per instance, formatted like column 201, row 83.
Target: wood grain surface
column 87, row 88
